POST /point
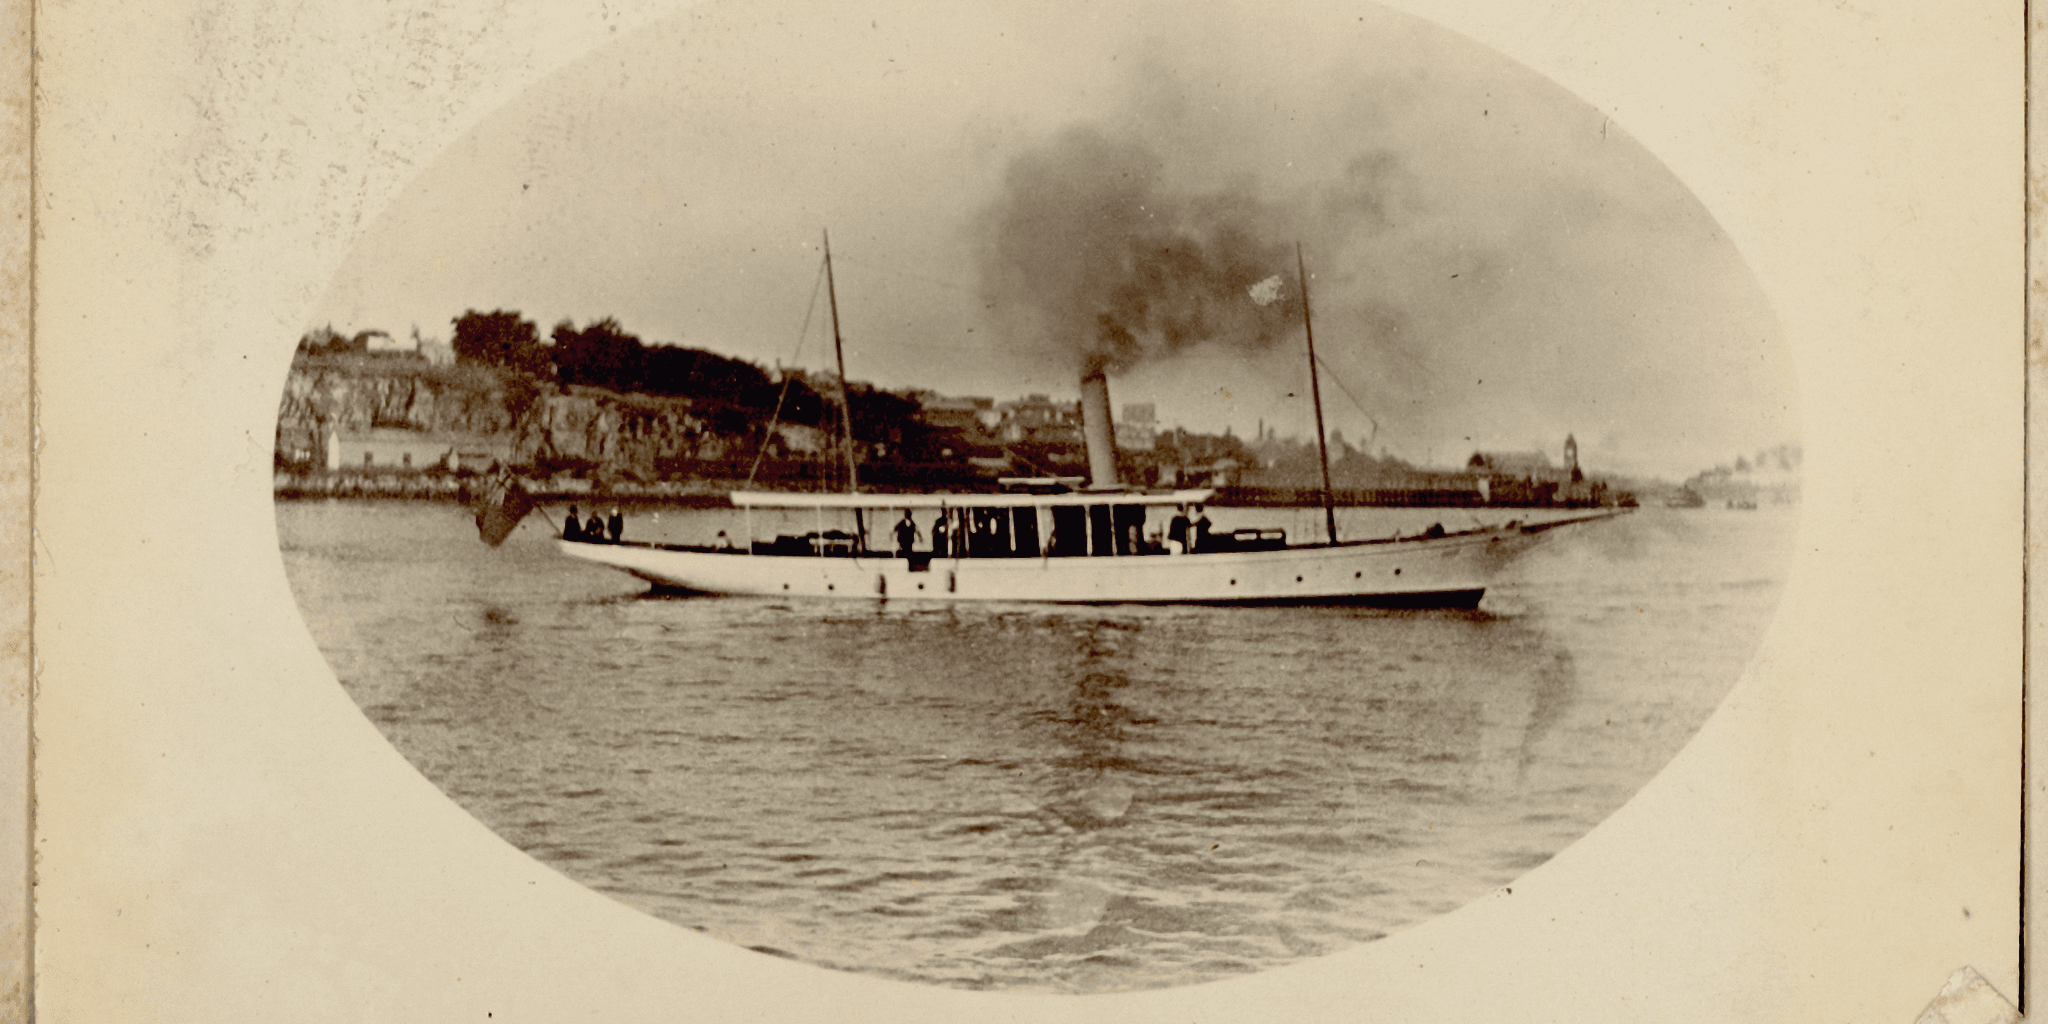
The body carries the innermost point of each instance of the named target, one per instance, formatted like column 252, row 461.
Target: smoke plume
column 1116, row 268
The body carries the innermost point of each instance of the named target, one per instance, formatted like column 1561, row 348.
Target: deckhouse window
column 1024, row 531
column 1069, row 530
column 1101, row 531
column 1130, row 528
column 989, row 533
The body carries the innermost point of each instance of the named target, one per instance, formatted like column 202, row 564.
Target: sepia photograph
column 1150, row 541
column 765, row 506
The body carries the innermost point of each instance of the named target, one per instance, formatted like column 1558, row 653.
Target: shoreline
column 457, row 488
column 713, row 493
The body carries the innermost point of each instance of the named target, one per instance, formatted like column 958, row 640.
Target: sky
column 1017, row 194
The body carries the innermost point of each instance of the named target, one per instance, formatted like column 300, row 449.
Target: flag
column 500, row 508
column 1266, row 292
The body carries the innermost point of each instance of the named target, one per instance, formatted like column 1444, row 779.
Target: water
column 1024, row 797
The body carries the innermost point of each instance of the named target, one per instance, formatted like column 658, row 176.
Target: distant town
column 596, row 411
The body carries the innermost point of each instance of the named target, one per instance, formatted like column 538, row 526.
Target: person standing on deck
column 1201, row 529
column 616, row 525
column 572, row 529
column 593, row 528
column 1177, row 531
column 941, row 537
column 1133, row 530
column 906, row 535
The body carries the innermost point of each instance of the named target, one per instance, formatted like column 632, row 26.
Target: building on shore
column 1038, row 418
column 1138, row 428
column 972, row 415
column 389, row 449
column 1530, row 465
column 1529, row 477
column 379, row 343
column 436, row 352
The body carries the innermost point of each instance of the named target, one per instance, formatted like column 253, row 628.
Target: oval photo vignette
column 974, row 605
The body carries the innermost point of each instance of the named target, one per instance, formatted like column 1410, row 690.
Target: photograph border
column 197, row 228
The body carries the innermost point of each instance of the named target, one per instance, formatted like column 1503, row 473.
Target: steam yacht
column 1057, row 542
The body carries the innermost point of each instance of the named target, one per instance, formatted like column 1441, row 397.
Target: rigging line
column 802, row 333
column 1339, row 381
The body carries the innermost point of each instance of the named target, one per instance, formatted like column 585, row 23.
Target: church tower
column 1571, row 458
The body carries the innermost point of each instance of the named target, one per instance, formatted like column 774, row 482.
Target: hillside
column 390, row 415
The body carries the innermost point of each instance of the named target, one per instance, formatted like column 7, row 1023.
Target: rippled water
column 1032, row 797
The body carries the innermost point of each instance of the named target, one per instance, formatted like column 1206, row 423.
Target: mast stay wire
column 542, row 509
column 803, row 333
column 1369, row 417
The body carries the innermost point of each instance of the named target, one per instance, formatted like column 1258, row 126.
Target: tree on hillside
column 672, row 370
column 1340, row 449
column 502, row 339
column 601, row 355
column 801, row 403
column 882, row 416
column 1189, row 448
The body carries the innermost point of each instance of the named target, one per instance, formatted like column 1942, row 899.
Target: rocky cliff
column 616, row 434
column 355, row 396
column 590, row 430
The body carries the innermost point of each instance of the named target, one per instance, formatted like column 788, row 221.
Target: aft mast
column 860, row 524
column 1315, row 390
column 845, row 393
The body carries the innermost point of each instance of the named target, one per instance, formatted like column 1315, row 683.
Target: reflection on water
column 991, row 796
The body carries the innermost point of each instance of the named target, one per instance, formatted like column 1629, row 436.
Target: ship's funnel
column 1098, row 431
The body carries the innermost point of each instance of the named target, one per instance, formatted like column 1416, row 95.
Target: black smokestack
column 1098, row 431
column 1118, row 268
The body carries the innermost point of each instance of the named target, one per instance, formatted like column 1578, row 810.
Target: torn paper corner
column 1968, row 999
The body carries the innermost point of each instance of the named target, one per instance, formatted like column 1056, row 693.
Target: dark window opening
column 1101, row 531
column 1130, row 529
column 1069, row 531
column 1025, row 532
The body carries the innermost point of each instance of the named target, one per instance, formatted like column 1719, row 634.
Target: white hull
column 1450, row 571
